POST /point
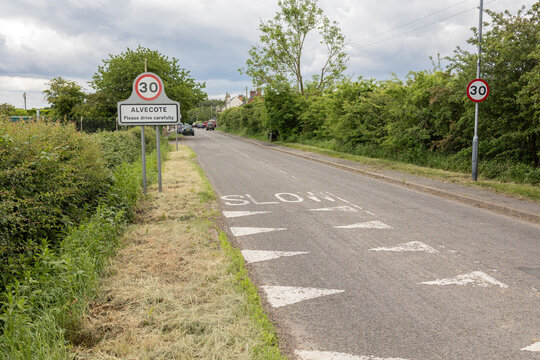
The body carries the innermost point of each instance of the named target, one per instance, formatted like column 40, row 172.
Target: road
column 353, row 268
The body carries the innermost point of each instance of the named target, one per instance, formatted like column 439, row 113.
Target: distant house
column 233, row 102
column 253, row 94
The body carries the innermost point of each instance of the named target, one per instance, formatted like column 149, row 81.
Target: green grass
column 269, row 349
column 42, row 310
column 531, row 192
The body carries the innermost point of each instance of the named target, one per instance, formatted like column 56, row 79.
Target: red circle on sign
column 157, row 93
column 474, row 92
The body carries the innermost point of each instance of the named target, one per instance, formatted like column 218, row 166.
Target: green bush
column 51, row 177
column 41, row 309
column 118, row 147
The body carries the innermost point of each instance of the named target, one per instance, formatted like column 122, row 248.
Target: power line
column 410, row 22
column 423, row 26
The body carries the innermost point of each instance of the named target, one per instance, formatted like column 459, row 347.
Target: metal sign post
column 158, row 158
column 476, row 109
column 143, row 146
column 149, row 105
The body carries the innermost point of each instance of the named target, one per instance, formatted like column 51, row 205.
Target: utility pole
column 476, row 109
column 24, row 97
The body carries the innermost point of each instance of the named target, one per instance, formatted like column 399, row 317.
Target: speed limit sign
column 478, row 90
column 148, row 86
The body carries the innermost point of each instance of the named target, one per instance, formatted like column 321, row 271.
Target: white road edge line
column 476, row 278
column 329, row 355
column 243, row 231
column 365, row 225
column 413, row 246
column 252, row 256
column 350, row 203
column 337, row 208
column 233, row 214
column 533, row 347
column 279, row 296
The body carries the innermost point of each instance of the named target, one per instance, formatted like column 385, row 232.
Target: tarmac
column 525, row 210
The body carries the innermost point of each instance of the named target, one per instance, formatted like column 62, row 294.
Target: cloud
column 211, row 38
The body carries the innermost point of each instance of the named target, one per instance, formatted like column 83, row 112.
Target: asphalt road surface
column 353, row 268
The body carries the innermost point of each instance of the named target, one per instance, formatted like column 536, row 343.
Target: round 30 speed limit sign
column 478, row 90
column 148, row 86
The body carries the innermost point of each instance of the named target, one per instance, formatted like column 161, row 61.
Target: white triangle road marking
column 328, row 355
column 233, row 214
column 286, row 295
column 252, row 256
column 365, row 225
column 476, row 278
column 243, row 231
column 409, row 246
column 336, row 208
column 533, row 347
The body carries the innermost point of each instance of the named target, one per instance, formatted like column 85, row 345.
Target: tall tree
column 114, row 79
column 510, row 117
column 64, row 96
column 279, row 55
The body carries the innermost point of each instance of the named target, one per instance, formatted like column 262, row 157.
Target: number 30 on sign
column 478, row 90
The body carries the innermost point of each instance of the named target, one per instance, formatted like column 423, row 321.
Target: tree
column 114, row 79
column 206, row 110
column 64, row 96
column 279, row 55
column 510, row 119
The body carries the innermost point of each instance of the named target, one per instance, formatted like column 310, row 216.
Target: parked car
column 187, row 130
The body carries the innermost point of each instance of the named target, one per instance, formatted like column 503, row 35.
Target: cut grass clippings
column 177, row 289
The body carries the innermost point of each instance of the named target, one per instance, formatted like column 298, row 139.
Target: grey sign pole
column 476, row 109
column 143, row 146
column 158, row 159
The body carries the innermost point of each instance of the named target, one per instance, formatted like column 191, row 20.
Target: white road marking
column 365, row 225
column 533, row 347
column 285, row 295
column 252, row 256
column 350, row 203
column 243, row 231
column 238, row 151
column 409, row 246
column 337, row 208
column 476, row 278
column 239, row 200
column 260, row 203
column 292, row 198
column 233, row 214
column 328, row 355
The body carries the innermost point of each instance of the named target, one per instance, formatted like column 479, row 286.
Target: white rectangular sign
column 148, row 114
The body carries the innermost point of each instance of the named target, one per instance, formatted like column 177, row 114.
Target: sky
column 41, row 40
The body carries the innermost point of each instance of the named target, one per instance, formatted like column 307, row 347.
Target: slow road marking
column 409, row 246
column 286, row 295
column 476, row 278
column 328, row 355
column 252, row 256
column 365, row 225
column 233, row 214
column 243, row 231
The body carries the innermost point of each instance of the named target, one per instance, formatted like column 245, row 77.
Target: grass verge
column 177, row 289
column 531, row 192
